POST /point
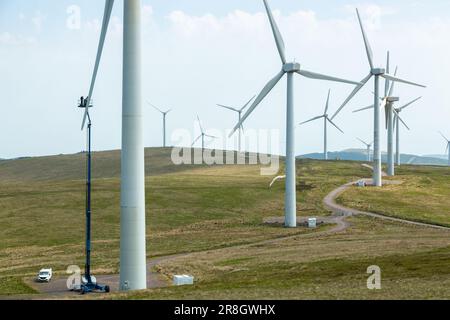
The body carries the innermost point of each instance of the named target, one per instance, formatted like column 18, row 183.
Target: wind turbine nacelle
column 393, row 99
column 291, row 67
column 378, row 71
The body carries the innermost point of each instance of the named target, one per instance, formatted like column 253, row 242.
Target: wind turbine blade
column 328, row 102
column 212, row 137
column 318, row 76
column 392, row 78
column 444, row 136
column 246, row 105
column 363, row 109
column 195, row 141
column 329, row 120
column 168, row 111
column 386, row 81
column 265, row 91
column 366, row 41
column 363, row 142
column 155, row 107
column 229, row 108
column 352, row 94
column 401, row 120
column 391, row 91
column 275, row 180
column 408, row 104
column 276, row 33
column 448, row 146
column 200, row 125
column 106, row 17
column 313, row 119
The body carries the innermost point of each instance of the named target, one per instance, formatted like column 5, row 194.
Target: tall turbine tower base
column 291, row 192
column 377, row 180
column 133, row 267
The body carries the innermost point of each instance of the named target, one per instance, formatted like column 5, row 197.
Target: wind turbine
column 376, row 73
column 369, row 146
column 448, row 147
column 164, row 114
column 325, row 128
column 290, row 69
column 239, row 112
column 397, row 125
column 202, row 136
column 133, row 266
column 392, row 119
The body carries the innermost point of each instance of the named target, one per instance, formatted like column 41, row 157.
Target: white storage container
column 183, row 280
column 312, row 223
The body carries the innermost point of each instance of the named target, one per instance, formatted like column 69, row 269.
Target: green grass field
column 423, row 196
column 208, row 211
column 413, row 261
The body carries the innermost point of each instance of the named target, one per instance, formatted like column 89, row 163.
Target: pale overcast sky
column 200, row 52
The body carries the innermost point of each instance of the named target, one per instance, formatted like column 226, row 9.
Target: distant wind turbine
column 397, row 125
column 376, row 73
column 290, row 69
column 239, row 112
column 368, row 146
column 325, row 128
column 447, row 150
column 164, row 114
column 202, row 136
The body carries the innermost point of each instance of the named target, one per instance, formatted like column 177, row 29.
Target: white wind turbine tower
column 239, row 112
column 202, row 136
column 290, row 69
column 397, row 125
column 326, row 120
column 376, row 73
column 164, row 114
column 133, row 267
column 447, row 150
column 368, row 146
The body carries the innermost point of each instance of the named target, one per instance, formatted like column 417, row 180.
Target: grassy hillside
column 413, row 262
column 423, row 196
column 361, row 155
column 73, row 167
column 197, row 209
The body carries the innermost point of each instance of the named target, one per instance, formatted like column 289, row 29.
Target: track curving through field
column 57, row 288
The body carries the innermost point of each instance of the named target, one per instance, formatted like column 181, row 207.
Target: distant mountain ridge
column 361, row 155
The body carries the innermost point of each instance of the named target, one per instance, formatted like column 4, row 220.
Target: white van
column 45, row 275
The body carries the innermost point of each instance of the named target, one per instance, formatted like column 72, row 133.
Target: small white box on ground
column 183, row 280
column 312, row 223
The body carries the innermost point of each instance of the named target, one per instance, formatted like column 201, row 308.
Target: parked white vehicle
column 45, row 275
